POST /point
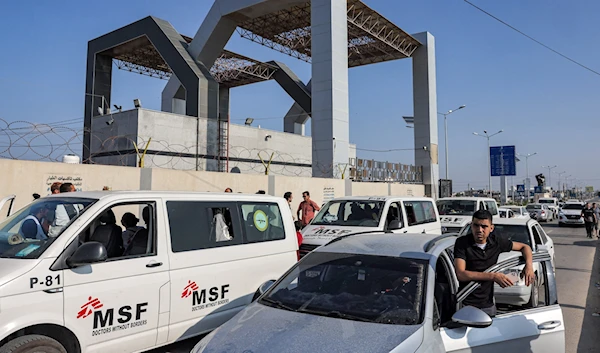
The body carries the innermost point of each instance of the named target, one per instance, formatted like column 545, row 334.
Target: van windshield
column 549, row 201
column 355, row 213
column 30, row 231
column 456, row 207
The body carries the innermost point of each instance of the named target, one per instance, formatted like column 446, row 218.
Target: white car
column 540, row 212
column 570, row 214
column 552, row 203
column 381, row 293
column 456, row 212
column 526, row 231
column 347, row 215
column 185, row 264
column 506, row 213
column 519, row 211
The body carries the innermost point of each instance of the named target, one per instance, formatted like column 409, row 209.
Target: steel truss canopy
column 229, row 70
column 371, row 37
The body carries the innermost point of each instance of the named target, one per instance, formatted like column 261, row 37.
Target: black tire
column 33, row 344
column 534, row 298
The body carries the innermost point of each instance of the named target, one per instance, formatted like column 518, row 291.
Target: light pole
column 559, row 175
column 549, row 173
column 485, row 135
column 446, row 132
column 527, row 161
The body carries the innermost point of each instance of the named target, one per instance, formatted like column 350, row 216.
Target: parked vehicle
column 380, row 293
column 191, row 265
column 540, row 212
column 552, row 203
column 343, row 216
column 526, row 231
column 570, row 214
column 456, row 212
column 519, row 211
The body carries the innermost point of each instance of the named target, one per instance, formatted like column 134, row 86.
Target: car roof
column 466, row 198
column 379, row 198
column 176, row 194
column 410, row 245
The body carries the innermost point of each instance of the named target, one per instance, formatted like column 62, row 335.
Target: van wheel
column 33, row 344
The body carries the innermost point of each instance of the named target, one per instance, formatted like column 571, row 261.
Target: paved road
column 577, row 269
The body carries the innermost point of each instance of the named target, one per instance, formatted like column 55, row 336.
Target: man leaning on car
column 475, row 254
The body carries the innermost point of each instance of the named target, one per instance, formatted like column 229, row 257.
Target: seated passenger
column 129, row 221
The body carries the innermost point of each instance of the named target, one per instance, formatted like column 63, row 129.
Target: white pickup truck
column 456, row 212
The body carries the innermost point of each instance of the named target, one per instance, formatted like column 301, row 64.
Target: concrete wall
column 179, row 138
column 24, row 178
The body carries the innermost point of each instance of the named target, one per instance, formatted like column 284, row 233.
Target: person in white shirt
column 64, row 213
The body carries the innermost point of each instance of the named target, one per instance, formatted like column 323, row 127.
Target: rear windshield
column 572, row 206
column 456, row 207
column 534, row 207
column 30, row 231
column 518, row 233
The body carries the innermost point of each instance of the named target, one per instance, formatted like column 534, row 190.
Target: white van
column 349, row 215
column 456, row 212
column 191, row 263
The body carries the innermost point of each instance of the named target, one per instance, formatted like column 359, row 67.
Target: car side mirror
column 263, row 289
column 470, row 316
column 395, row 224
column 88, row 253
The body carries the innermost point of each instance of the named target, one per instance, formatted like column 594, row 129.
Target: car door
column 120, row 305
column 514, row 329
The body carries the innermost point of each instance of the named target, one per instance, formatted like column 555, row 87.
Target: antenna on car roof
column 352, row 234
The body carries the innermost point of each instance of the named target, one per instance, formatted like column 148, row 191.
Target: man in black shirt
column 475, row 254
column 590, row 219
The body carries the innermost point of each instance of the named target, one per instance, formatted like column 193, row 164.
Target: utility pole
column 485, row 135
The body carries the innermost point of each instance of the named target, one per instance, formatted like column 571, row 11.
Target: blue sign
column 503, row 161
column 538, row 189
column 521, row 188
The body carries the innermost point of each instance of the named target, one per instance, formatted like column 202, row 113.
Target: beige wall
column 24, row 178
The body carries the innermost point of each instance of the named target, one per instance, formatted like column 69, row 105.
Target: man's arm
column 316, row 207
column 299, row 208
column 528, row 255
column 467, row 276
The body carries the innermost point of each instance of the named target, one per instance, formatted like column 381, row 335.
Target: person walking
column 596, row 209
column 308, row 208
column 590, row 219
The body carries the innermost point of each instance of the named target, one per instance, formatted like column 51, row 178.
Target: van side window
column 262, row 222
column 420, row 212
column 196, row 225
column 394, row 214
column 491, row 206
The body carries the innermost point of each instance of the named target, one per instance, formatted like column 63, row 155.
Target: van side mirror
column 88, row 253
column 263, row 289
column 470, row 316
column 395, row 224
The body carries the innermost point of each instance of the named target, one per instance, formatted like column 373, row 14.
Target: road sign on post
column 503, row 161
column 521, row 188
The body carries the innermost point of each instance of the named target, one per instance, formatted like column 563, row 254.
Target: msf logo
column 106, row 317
column 89, row 307
column 189, row 289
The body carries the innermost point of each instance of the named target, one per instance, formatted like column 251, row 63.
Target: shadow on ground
column 588, row 341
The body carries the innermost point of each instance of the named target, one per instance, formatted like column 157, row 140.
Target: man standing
column 288, row 197
column 596, row 209
column 590, row 219
column 308, row 208
column 477, row 252
column 64, row 212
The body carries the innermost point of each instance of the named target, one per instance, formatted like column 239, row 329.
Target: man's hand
column 502, row 280
column 529, row 275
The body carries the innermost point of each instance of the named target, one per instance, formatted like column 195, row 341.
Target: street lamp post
column 559, row 175
column 485, row 135
column 446, row 132
column 527, row 162
column 549, row 173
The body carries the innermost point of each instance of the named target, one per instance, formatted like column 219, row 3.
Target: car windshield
column 356, row 213
column 572, row 206
column 30, row 231
column 534, row 207
column 379, row 289
column 512, row 232
column 456, row 207
column 546, row 201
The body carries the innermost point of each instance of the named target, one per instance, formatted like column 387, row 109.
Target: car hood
column 455, row 221
column 263, row 329
column 320, row 235
column 13, row 268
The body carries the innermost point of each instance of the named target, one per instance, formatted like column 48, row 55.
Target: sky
column 544, row 103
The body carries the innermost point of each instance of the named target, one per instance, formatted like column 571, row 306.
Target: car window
column 456, row 207
column 420, row 212
column 196, row 225
column 491, row 206
column 536, row 235
column 542, row 234
column 443, row 292
column 521, row 297
column 379, row 289
column 394, row 213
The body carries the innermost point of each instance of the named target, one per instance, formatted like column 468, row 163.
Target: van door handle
column 154, row 264
column 549, row 325
column 53, row 291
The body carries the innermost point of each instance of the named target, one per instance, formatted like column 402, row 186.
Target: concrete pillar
column 97, row 88
column 223, row 103
column 330, row 109
column 425, row 112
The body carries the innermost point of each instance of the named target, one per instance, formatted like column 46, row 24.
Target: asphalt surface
column 577, row 272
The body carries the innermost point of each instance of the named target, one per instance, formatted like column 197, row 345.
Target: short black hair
column 307, row 193
column 482, row 215
column 261, row 192
column 66, row 187
column 287, row 195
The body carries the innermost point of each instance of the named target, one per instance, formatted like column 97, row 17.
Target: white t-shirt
column 481, row 246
